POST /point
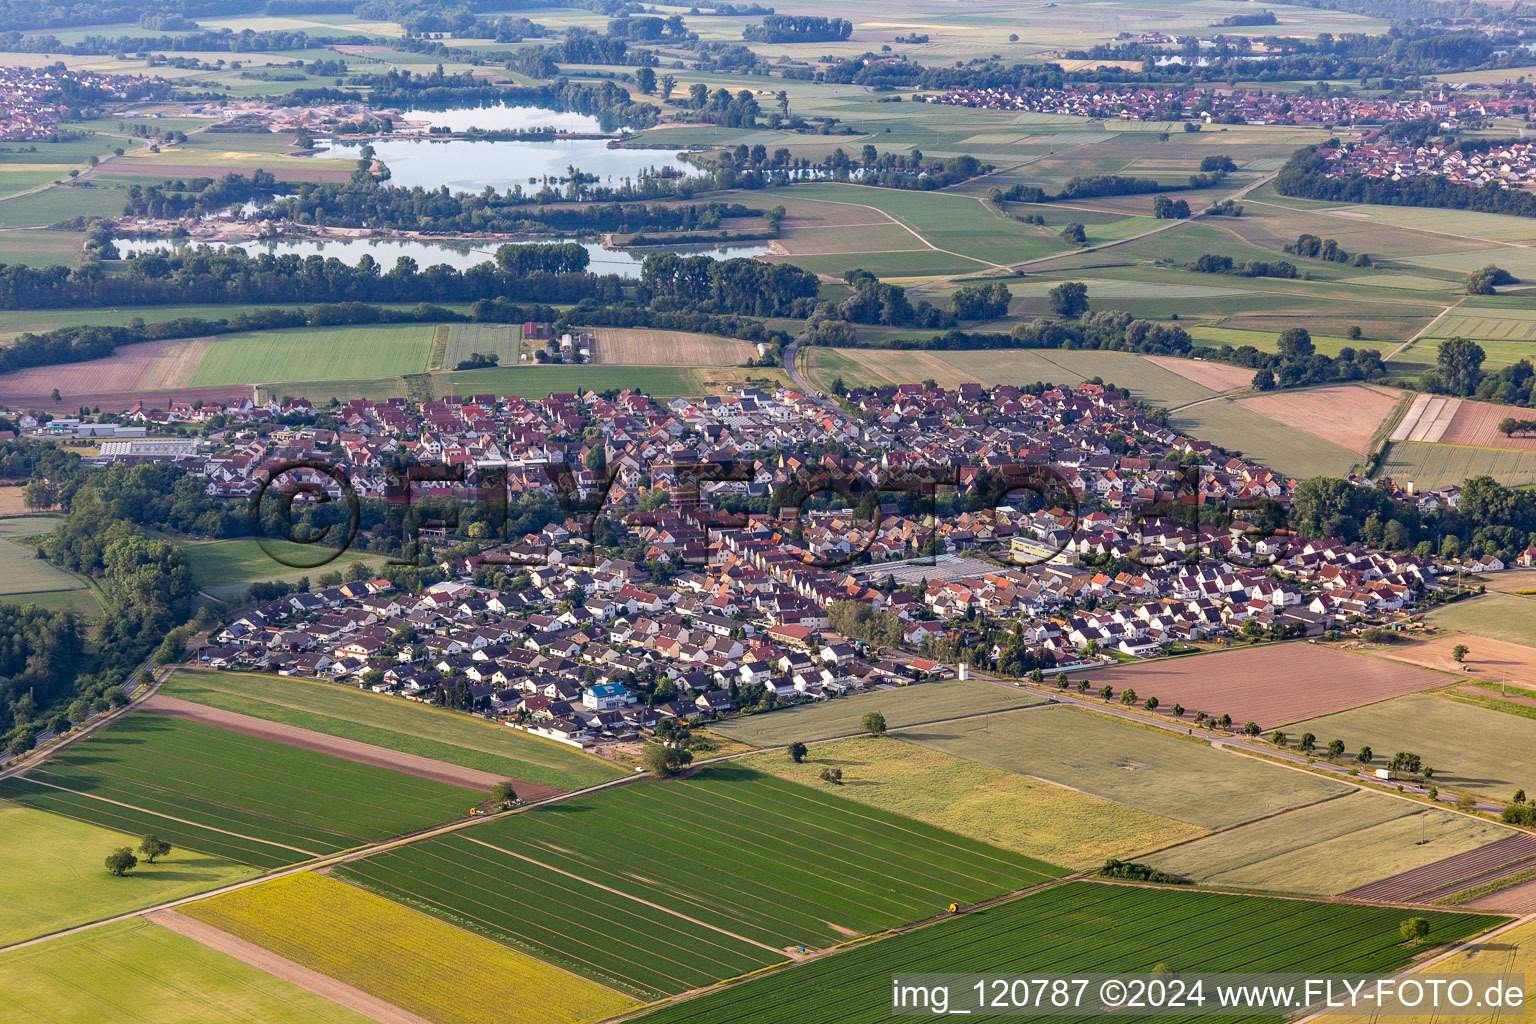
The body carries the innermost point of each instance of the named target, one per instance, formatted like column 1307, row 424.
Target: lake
column 461, row 256
column 466, row 165
column 499, row 117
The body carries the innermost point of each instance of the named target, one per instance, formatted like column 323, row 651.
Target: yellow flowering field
column 416, row 962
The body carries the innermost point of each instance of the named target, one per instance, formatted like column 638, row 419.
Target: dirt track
column 351, row 750
column 338, row 992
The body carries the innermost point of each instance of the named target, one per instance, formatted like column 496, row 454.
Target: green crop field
column 1055, row 823
column 225, row 568
column 1504, row 617
column 1471, row 748
column 505, row 341
column 392, row 723
column 615, row 858
column 908, row 705
column 229, row 795
column 52, row 877
column 135, row 972
column 1329, row 848
column 1438, row 465
column 1080, row 927
column 315, row 353
column 541, row 381
column 1142, row 767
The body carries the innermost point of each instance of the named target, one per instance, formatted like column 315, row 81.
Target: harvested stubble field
column 644, row 347
column 1272, row 685
column 1056, row 823
column 438, row 733
column 1477, row 424
column 149, row 370
column 408, row 959
column 1473, row 749
column 1488, row 662
column 631, row 860
column 1076, row 927
column 233, row 796
column 135, row 972
column 1453, row 874
column 1137, row 766
column 1329, row 848
column 1216, row 376
column 51, row 876
column 902, row 706
column 1349, row 415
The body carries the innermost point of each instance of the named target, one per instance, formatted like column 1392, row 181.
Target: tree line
column 1306, row 176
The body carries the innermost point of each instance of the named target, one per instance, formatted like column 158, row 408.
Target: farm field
column 1473, row 749
column 225, row 568
column 1080, row 926
column 406, row 958
column 505, row 341
column 631, row 859
column 390, row 722
column 1027, row 815
column 135, row 972
column 1329, row 848
column 1437, row 420
column 1218, row 377
column 1507, row 617
column 1144, row 768
column 53, row 877
column 22, row 572
column 233, row 796
column 1286, row 448
column 1510, row 954
column 1430, row 466
column 902, row 706
column 1347, row 415
column 877, row 367
column 644, row 347
column 1271, row 685
column 314, row 353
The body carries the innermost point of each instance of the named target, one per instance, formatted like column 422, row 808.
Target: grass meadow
column 394, row 724
column 51, row 874
column 1057, row 824
column 232, row 796
column 1078, row 927
column 1145, row 768
column 616, row 857
column 135, row 972
column 1504, row 617
column 406, row 958
column 225, row 568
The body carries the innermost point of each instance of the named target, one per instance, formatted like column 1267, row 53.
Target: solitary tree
column 1364, row 755
column 832, row 775
column 1279, row 738
column 504, row 793
column 1307, row 743
column 1335, row 749
column 1414, row 930
column 1069, row 299
column 664, row 760
column 797, row 752
column 152, row 847
column 121, row 861
column 1459, row 653
column 873, row 723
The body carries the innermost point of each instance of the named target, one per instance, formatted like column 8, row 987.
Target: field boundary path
column 322, row 985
